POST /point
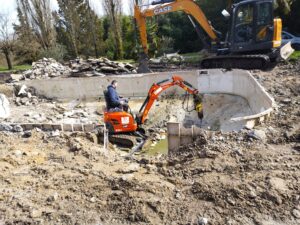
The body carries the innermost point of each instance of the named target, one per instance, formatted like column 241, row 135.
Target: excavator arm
column 158, row 88
column 167, row 6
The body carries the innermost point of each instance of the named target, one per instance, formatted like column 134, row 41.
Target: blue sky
column 9, row 7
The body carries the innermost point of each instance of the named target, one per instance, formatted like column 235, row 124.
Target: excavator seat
column 106, row 99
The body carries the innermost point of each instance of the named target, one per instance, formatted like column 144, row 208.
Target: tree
column 6, row 38
column 294, row 25
column 27, row 47
column 91, row 25
column 78, row 28
column 39, row 17
column 113, row 9
column 68, row 24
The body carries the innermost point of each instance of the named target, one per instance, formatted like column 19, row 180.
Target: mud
column 223, row 178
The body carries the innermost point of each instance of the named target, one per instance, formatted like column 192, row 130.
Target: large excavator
column 253, row 38
column 126, row 129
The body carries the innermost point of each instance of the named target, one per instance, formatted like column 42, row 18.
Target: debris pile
column 168, row 58
column 46, row 68
column 99, row 67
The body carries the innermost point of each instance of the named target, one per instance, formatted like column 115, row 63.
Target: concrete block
column 57, row 127
column 67, row 127
column 78, row 127
column 88, row 127
column 47, row 127
column 37, row 125
column 27, row 126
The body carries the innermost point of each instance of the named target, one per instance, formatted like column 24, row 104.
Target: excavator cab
column 253, row 27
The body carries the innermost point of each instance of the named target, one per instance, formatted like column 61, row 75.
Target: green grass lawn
column 3, row 69
column 295, row 56
column 193, row 57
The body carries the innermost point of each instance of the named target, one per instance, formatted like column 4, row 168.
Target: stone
column 286, row 101
column 252, row 194
column 108, row 69
column 53, row 197
column 35, row 213
column 257, row 134
column 18, row 153
column 296, row 213
column 75, row 145
column 22, row 92
column 93, row 199
column 69, row 113
column 6, row 127
column 202, row 221
column 4, row 107
column 17, row 128
column 24, row 101
column 134, row 167
column 27, row 134
column 127, row 177
column 55, row 133
column 16, row 77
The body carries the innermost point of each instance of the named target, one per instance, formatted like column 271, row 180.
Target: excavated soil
column 247, row 177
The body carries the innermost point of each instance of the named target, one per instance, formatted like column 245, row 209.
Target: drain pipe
column 179, row 135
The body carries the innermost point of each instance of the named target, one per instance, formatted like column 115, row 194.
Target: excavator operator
column 115, row 102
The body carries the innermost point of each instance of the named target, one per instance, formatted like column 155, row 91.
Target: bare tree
column 6, row 38
column 39, row 15
column 113, row 9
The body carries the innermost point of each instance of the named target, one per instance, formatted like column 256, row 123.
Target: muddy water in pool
column 160, row 148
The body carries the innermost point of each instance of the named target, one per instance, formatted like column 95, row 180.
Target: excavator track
column 127, row 141
column 124, row 140
column 247, row 62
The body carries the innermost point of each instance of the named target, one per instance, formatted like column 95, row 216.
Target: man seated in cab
column 113, row 100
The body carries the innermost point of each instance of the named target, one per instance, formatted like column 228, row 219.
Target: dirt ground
column 222, row 178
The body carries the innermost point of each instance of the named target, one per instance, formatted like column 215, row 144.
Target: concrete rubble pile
column 168, row 58
column 99, row 67
column 46, row 68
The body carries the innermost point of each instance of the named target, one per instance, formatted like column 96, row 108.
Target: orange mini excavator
column 125, row 128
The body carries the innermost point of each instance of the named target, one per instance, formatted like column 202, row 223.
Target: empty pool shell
column 235, row 82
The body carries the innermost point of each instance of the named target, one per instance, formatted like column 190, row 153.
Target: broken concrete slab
column 92, row 67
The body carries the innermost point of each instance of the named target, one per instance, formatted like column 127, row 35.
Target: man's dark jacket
column 112, row 97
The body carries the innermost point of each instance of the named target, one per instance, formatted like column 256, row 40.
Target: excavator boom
column 157, row 88
column 167, row 6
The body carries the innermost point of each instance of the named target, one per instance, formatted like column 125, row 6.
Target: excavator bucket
column 143, row 62
column 286, row 51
